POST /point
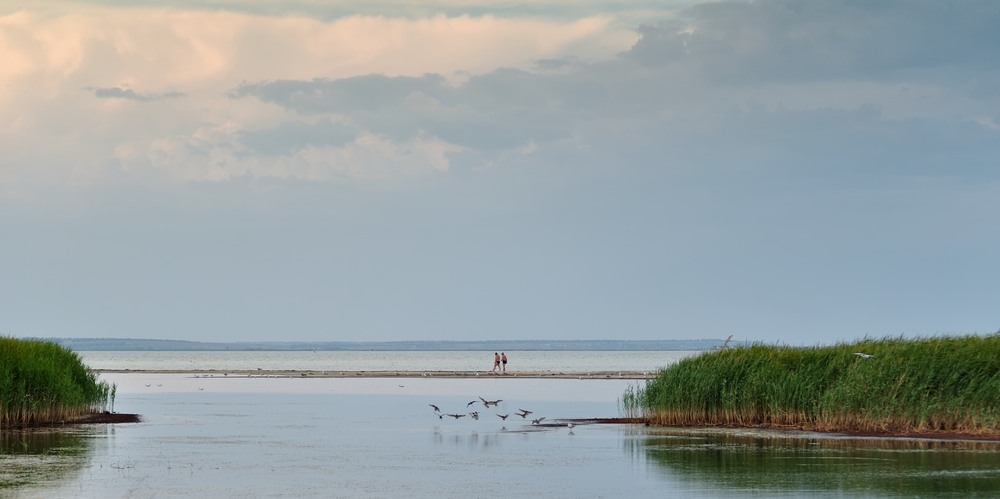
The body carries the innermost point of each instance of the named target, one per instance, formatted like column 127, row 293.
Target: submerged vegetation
column 892, row 385
column 42, row 382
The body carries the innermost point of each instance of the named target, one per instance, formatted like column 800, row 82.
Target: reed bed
column 941, row 384
column 42, row 382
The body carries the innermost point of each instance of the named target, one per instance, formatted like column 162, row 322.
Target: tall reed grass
column 921, row 385
column 42, row 382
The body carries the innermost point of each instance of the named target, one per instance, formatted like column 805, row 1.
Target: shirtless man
column 496, row 362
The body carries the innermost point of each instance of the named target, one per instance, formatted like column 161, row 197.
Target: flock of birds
column 474, row 414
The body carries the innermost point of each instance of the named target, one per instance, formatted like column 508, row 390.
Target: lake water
column 378, row 437
column 552, row 361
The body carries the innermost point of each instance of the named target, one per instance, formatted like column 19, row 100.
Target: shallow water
column 553, row 361
column 268, row 437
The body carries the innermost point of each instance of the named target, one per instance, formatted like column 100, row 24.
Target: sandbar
column 297, row 373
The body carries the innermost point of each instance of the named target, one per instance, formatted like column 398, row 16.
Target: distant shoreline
column 159, row 345
column 304, row 373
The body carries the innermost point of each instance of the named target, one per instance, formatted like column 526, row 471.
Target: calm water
column 332, row 437
column 386, row 361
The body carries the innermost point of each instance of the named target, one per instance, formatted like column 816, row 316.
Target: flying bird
column 488, row 403
column 436, row 409
column 456, row 416
column 475, row 415
column 523, row 413
column 503, row 416
column 539, row 420
column 470, row 403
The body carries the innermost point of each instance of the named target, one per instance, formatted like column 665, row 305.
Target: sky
column 246, row 170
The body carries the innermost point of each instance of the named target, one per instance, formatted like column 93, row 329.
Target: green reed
column 42, row 382
column 933, row 384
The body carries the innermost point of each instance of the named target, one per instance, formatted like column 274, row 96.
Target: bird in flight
column 436, row 409
column 475, row 415
column 487, row 403
column 456, row 416
column 539, row 420
column 503, row 416
column 523, row 413
column 470, row 403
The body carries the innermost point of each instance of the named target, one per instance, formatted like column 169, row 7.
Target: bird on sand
column 503, row 416
column 864, row 355
column 539, row 420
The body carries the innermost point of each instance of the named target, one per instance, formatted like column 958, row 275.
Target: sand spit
column 393, row 374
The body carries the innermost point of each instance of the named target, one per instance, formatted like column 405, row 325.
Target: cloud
column 351, row 61
column 345, row 95
column 129, row 94
column 290, row 137
column 267, row 96
column 500, row 110
column 771, row 40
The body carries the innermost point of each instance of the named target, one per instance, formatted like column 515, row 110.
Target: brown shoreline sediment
column 929, row 435
column 305, row 373
column 105, row 418
column 91, row 418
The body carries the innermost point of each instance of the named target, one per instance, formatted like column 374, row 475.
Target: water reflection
column 817, row 464
column 42, row 455
column 472, row 441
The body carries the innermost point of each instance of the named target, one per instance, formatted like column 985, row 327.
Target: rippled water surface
column 291, row 437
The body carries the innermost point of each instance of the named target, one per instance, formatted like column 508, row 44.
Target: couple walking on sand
column 499, row 358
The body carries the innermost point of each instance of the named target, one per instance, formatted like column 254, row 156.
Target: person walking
column 496, row 362
column 503, row 358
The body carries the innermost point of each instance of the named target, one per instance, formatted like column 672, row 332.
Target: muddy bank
column 932, row 435
column 93, row 418
column 105, row 418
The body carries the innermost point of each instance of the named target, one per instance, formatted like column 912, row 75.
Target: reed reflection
column 41, row 456
column 763, row 462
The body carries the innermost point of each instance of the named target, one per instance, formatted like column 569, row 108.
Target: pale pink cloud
column 184, row 49
column 82, row 87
